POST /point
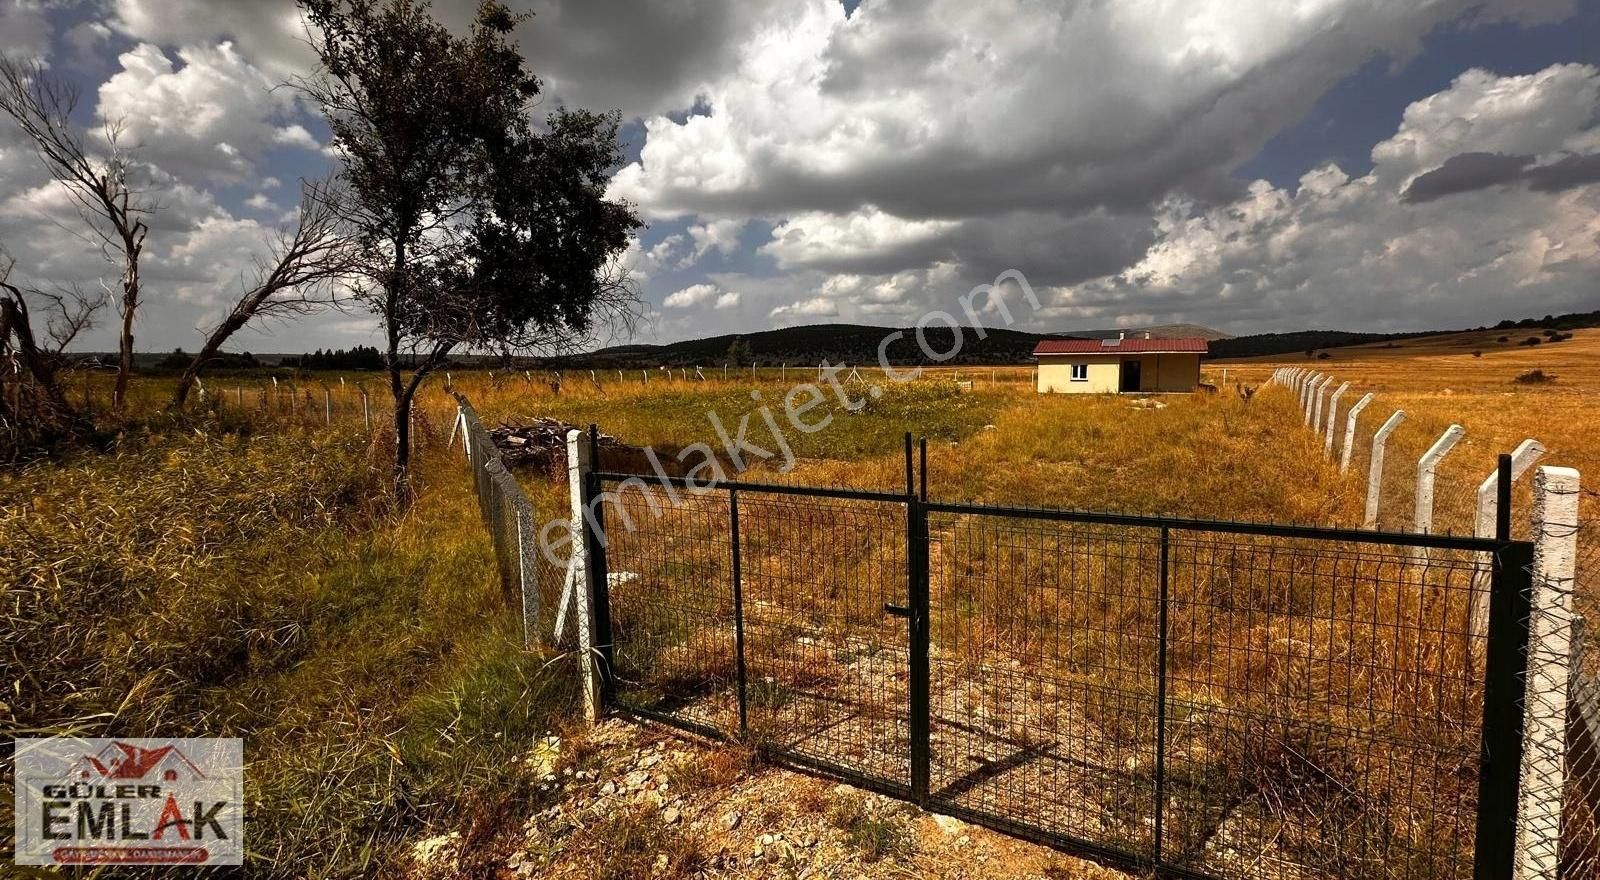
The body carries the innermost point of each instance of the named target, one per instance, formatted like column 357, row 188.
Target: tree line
column 453, row 217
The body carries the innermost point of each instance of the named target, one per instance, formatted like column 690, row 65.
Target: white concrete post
column 1305, row 396
column 1375, row 470
column 1522, row 458
column 1350, row 430
column 1333, row 417
column 583, row 589
column 1544, row 732
column 1427, row 470
column 1316, row 410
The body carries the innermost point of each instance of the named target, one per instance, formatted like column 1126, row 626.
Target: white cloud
column 714, row 235
column 727, row 300
column 690, row 296
column 272, row 33
column 295, row 136
column 816, row 307
column 212, row 114
column 1540, row 113
column 945, row 109
column 260, row 202
column 832, row 240
column 1353, row 253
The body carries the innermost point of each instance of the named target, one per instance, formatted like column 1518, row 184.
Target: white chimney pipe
column 1122, row 334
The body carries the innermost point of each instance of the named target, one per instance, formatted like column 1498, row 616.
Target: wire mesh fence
column 508, row 514
column 1210, row 700
column 1580, row 832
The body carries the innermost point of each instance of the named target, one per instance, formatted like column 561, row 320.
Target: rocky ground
column 627, row 800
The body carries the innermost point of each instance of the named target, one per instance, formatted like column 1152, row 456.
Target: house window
column 1080, row 372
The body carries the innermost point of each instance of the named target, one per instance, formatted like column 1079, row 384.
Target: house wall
column 1169, row 372
column 1055, row 373
column 1165, row 372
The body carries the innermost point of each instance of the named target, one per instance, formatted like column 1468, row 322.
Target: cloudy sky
column 1251, row 165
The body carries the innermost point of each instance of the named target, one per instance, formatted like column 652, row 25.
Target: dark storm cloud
column 1566, row 173
column 1468, row 172
column 637, row 56
column 1464, row 173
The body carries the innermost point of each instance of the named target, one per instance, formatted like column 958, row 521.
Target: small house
column 1103, row 366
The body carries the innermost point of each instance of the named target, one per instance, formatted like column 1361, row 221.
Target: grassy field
column 239, row 573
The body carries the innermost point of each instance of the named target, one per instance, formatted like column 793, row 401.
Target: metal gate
column 1197, row 698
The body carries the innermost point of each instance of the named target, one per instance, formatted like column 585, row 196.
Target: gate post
column 1544, row 740
column 1500, row 754
column 738, row 610
column 917, row 597
column 1161, row 698
column 581, row 581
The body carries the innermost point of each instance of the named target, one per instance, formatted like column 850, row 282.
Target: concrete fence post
column 1427, row 471
column 1350, row 430
column 1333, row 417
column 1304, row 390
column 1316, row 407
column 1314, row 399
column 580, row 581
column 1522, row 458
column 1310, row 399
column 527, row 565
column 1375, row 469
column 1544, row 731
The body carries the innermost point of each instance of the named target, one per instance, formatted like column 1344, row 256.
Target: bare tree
column 303, row 272
column 98, row 183
column 68, row 313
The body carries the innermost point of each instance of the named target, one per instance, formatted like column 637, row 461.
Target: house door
column 1130, row 376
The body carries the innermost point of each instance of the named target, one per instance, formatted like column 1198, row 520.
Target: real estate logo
column 129, row 801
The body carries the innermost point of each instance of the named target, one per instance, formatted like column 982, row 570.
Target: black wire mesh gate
column 1198, row 698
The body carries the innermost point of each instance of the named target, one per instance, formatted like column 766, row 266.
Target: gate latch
column 896, row 610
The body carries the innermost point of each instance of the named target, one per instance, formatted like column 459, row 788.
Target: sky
column 1249, row 165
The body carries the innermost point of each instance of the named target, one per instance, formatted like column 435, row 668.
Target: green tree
column 479, row 231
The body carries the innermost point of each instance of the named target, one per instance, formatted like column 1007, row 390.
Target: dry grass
column 376, row 649
column 215, row 581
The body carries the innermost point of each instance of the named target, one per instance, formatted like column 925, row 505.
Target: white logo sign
column 129, row 801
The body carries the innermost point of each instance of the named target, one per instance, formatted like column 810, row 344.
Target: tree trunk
column 207, row 352
column 67, row 420
column 402, row 449
column 130, row 301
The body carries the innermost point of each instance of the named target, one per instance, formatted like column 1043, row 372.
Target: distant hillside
column 1314, row 340
column 854, row 343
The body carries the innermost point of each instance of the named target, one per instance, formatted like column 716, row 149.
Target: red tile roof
column 1189, row 345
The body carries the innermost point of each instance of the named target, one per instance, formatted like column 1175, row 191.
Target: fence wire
column 509, row 516
column 1580, row 832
